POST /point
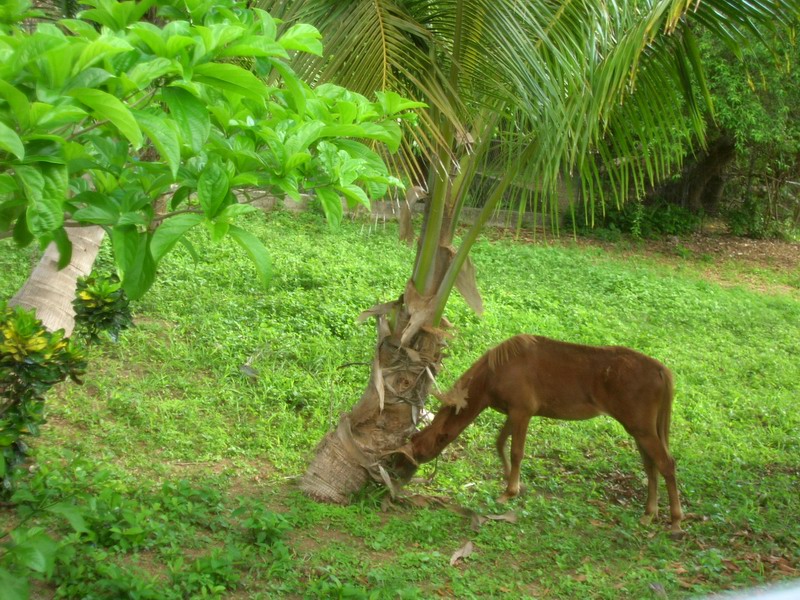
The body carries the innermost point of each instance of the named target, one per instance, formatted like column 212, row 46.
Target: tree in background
column 599, row 90
column 757, row 112
column 747, row 173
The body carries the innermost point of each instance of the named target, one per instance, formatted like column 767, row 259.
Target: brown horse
column 528, row 376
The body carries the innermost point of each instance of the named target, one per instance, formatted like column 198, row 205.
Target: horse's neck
column 447, row 425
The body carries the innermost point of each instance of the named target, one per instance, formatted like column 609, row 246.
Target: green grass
column 185, row 467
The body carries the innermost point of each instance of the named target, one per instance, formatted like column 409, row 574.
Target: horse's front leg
column 519, row 429
column 502, row 438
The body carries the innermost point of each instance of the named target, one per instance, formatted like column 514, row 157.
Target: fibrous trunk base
column 334, row 475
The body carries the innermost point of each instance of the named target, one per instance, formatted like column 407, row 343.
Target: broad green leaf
column 100, row 16
column 387, row 132
column 80, row 28
column 13, row 587
column 392, row 102
column 56, row 65
column 97, row 215
column 225, row 76
column 170, row 231
column 302, row 37
column 17, row 101
column 125, row 241
column 133, row 218
column 212, row 188
column 268, row 27
column 256, row 46
column 354, row 194
column 56, row 181
column 151, row 36
column 136, row 266
column 191, row 116
column 190, row 249
column 71, row 513
column 56, row 116
column 293, row 83
column 143, row 74
column 45, row 212
column 217, row 229
column 255, row 250
column 244, row 180
column 36, row 551
column 331, row 204
column 304, row 136
column 107, row 107
column 232, row 211
column 103, row 47
column 290, row 187
column 89, row 78
column 348, row 111
column 7, row 184
column 163, row 132
column 297, row 159
column 350, row 170
column 22, row 234
column 10, row 142
column 61, row 240
column 176, row 44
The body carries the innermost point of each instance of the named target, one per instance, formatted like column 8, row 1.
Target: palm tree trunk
column 49, row 291
column 407, row 358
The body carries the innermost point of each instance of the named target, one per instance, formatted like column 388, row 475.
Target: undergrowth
column 170, row 472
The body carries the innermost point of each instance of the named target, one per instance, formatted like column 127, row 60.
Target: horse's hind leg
column 657, row 451
column 518, row 424
column 502, row 438
column 651, row 508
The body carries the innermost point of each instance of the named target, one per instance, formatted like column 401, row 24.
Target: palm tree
column 518, row 93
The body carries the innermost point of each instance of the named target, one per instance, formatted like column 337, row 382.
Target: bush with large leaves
column 150, row 130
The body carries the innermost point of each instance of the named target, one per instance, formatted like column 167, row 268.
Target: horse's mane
column 504, row 352
column 458, row 395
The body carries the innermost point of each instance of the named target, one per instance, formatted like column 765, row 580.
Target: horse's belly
column 569, row 412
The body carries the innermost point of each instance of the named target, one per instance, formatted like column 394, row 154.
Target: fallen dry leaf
column 508, row 517
column 687, row 585
column 597, row 523
column 462, row 552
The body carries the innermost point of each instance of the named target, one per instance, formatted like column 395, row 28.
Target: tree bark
column 362, row 446
column 703, row 180
column 49, row 291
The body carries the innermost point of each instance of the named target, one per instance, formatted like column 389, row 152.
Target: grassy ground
column 184, row 466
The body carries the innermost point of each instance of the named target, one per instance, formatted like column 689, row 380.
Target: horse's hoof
column 505, row 498
column 646, row 519
column 677, row 534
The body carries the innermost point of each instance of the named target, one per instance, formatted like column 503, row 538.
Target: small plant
column 32, row 360
column 101, row 305
column 209, row 575
column 23, row 550
column 264, row 527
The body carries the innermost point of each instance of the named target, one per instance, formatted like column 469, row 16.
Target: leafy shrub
column 32, row 360
column 101, row 305
column 641, row 221
column 749, row 219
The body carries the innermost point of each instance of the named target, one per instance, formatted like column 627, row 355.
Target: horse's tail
column 665, row 408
